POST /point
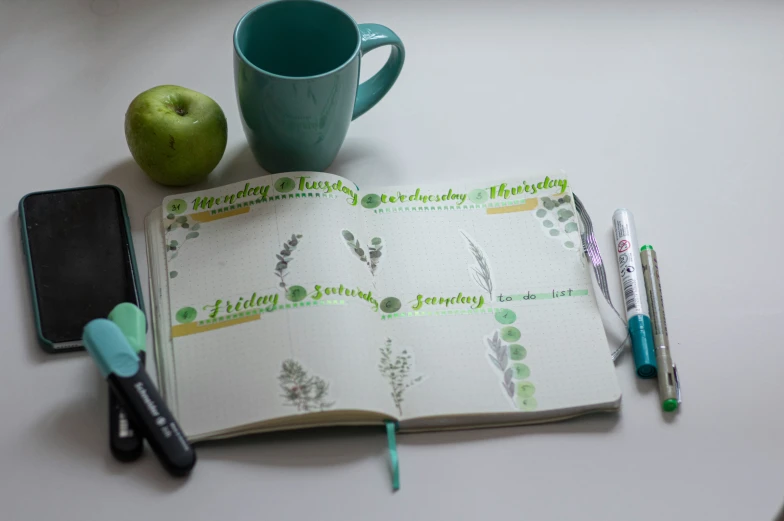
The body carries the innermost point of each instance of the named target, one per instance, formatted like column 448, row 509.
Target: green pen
column 669, row 386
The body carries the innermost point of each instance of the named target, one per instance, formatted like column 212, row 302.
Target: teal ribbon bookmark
column 393, row 459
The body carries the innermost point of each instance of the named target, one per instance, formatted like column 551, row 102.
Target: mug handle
column 370, row 92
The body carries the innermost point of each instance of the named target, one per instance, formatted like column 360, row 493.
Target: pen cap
column 107, row 345
column 130, row 319
column 642, row 346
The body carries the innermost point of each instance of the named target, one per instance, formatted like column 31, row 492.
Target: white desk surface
column 672, row 109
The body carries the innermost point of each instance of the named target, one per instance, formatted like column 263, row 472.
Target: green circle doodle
column 478, row 196
column 525, row 403
column 176, row 206
column 296, row 293
column 371, row 201
column 521, row 371
column 505, row 316
column 186, row 315
column 510, row 334
column 390, row 305
column 284, row 184
column 517, row 352
column 525, row 389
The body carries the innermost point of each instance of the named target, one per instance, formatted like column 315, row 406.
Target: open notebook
column 298, row 300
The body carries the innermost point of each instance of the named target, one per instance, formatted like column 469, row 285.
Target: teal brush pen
column 637, row 316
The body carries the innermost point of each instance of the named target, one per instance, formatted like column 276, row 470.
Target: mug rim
column 242, row 56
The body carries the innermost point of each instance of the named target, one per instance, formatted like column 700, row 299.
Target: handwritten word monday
column 204, row 203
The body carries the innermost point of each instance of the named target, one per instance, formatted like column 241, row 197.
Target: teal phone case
column 46, row 344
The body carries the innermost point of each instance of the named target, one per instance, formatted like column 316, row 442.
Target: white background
column 672, row 109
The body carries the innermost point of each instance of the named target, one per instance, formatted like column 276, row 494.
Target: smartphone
column 80, row 260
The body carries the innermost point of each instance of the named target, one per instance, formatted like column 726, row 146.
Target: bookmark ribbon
column 591, row 250
column 393, row 458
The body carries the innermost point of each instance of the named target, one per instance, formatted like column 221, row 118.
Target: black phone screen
column 80, row 256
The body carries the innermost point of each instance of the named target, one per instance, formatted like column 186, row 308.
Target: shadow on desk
column 596, row 423
column 77, row 434
column 320, row 447
column 338, row 445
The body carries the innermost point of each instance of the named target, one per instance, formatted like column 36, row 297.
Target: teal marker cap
column 643, row 351
column 131, row 321
column 108, row 346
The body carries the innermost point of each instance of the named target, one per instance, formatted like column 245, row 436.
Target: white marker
column 630, row 268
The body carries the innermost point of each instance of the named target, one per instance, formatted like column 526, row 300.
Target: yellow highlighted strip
column 208, row 216
column 194, row 327
column 527, row 206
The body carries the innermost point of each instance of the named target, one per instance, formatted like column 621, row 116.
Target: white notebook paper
column 298, row 300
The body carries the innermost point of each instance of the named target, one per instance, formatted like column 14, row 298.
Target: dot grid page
column 231, row 375
column 536, row 345
column 309, row 296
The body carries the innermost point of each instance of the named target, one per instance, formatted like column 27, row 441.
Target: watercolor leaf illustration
column 284, row 258
column 480, row 272
column 396, row 368
column 371, row 257
column 301, row 390
column 507, row 359
column 179, row 225
column 498, row 352
column 559, row 220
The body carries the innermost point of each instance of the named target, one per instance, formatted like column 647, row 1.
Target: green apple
column 176, row 135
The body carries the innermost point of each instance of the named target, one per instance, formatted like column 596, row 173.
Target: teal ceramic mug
column 296, row 70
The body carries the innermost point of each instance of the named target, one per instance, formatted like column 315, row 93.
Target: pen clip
column 677, row 382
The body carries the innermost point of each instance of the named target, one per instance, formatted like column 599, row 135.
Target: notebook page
column 258, row 333
column 494, row 309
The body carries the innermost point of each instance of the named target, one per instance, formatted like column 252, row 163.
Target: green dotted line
column 260, row 200
column 395, row 209
column 259, row 311
column 408, row 314
column 506, row 203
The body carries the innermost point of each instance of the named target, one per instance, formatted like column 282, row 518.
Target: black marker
column 128, row 380
column 125, row 440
